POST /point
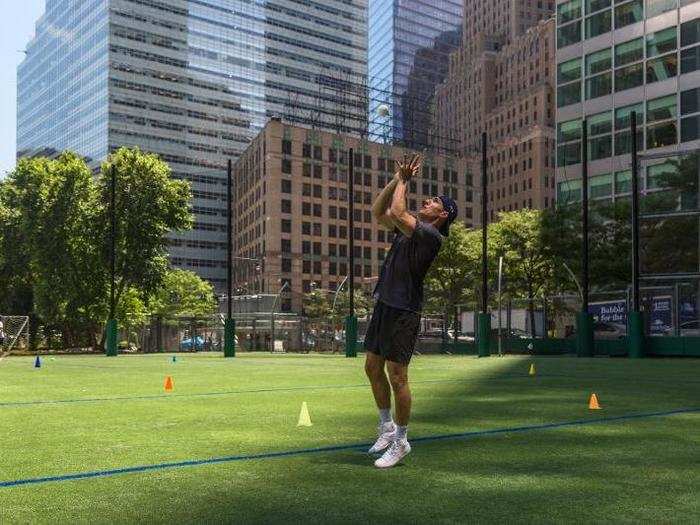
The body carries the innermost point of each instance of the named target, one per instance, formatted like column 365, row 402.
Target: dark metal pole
column 351, row 320
column 229, row 239
column 635, row 214
column 351, row 229
column 584, row 215
column 113, row 243
column 484, row 224
column 586, row 343
column 635, row 326
column 229, row 323
column 484, row 318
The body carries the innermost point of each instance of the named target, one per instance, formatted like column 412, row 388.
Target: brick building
column 502, row 81
column 290, row 208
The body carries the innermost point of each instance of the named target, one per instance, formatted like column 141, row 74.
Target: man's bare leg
column 374, row 368
column 398, row 377
column 399, row 448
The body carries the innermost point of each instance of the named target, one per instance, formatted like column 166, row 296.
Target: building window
column 286, row 265
column 598, row 24
column 306, row 189
column 662, row 42
column 598, row 64
column 318, row 171
column 286, row 246
column 286, row 186
column 623, row 134
column 286, row 166
column 690, row 32
column 286, row 226
column 306, row 151
column 317, row 210
column 662, row 68
column 623, row 181
column 306, row 228
column 306, row 266
column 656, row 7
column 286, row 206
column 306, row 247
column 569, row 140
column 600, row 133
column 318, row 153
column 662, row 133
column 660, row 172
column 629, row 13
column 306, row 169
column 568, row 11
column 569, row 34
column 629, row 77
column 600, row 186
column 690, row 59
column 569, row 191
column 286, row 147
column 690, row 103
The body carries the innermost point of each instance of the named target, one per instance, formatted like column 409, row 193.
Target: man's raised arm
column 381, row 204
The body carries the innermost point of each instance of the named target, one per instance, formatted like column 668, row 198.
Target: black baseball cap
column 451, row 208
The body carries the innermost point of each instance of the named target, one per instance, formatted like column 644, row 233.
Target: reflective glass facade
column 194, row 81
column 408, row 56
column 62, row 83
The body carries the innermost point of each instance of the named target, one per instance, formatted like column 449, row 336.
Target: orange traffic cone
column 168, row 384
column 593, row 403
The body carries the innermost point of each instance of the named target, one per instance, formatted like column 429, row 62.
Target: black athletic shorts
column 392, row 333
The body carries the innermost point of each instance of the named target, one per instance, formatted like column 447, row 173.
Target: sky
column 16, row 29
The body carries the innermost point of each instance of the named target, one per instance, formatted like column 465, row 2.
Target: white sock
column 401, row 432
column 384, row 415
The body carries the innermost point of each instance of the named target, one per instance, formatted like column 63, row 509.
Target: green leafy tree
column 317, row 304
column 50, row 214
column 529, row 265
column 149, row 205
column 183, row 293
column 454, row 278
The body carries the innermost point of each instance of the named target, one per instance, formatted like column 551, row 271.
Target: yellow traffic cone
column 593, row 403
column 532, row 369
column 304, row 418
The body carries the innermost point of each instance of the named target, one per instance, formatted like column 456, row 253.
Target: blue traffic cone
column 37, row 363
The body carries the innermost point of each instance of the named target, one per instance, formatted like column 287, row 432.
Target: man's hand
column 409, row 168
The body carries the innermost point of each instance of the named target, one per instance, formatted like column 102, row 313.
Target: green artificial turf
column 115, row 414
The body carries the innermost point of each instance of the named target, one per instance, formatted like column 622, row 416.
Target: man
column 393, row 330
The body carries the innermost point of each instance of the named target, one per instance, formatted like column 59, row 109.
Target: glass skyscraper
column 193, row 81
column 408, row 56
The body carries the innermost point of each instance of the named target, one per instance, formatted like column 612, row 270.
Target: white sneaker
column 386, row 436
column 398, row 450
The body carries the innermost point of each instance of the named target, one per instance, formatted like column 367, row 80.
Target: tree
column 183, row 293
column 50, row 219
column 149, row 205
column 529, row 266
column 55, row 233
column 455, row 275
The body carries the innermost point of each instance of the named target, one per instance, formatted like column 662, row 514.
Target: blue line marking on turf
column 336, row 448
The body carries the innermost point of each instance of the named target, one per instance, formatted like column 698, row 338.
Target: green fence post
column 635, row 335
column 584, row 335
column 229, row 338
column 483, row 336
column 351, row 336
column 111, row 329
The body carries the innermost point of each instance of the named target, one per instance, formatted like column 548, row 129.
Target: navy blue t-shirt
column 400, row 282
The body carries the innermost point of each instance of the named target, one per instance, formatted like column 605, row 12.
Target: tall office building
column 193, row 81
column 613, row 59
column 501, row 81
column 409, row 46
column 293, row 200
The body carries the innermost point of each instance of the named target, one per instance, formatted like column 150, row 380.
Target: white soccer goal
column 14, row 333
